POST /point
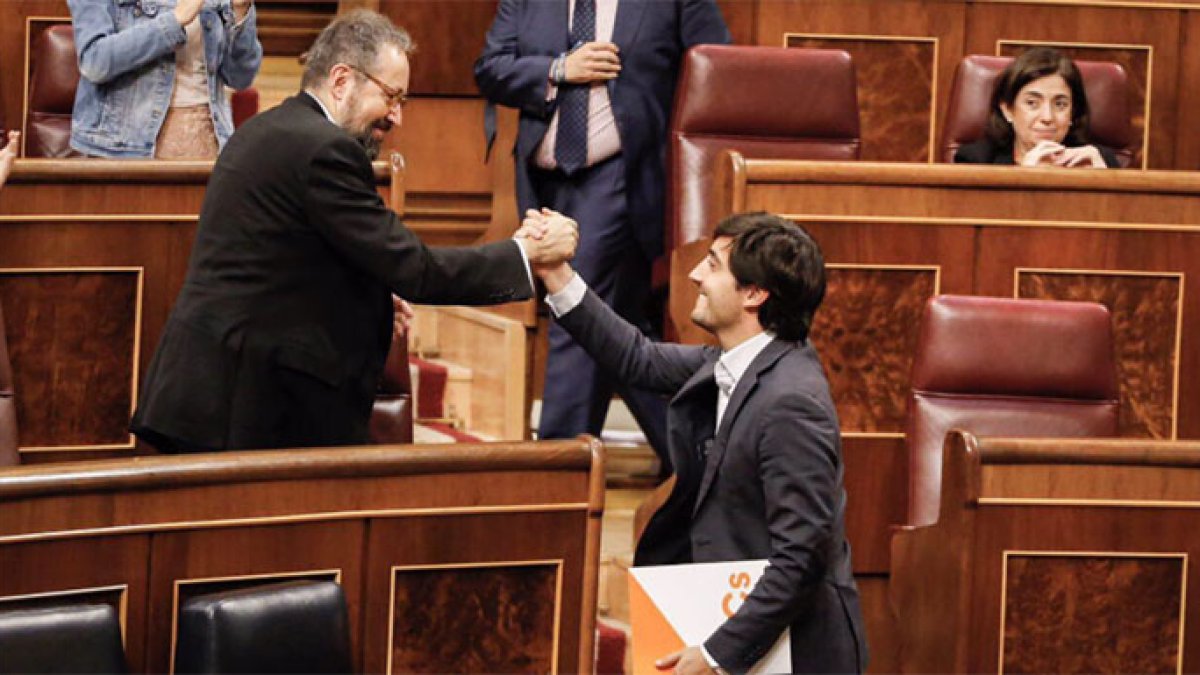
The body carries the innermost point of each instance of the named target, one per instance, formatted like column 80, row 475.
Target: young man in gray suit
column 280, row 332
column 753, row 437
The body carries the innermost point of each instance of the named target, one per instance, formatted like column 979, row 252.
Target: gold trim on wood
column 1131, row 273
column 933, row 85
column 98, row 218
column 1098, row 503
column 122, row 607
column 558, row 571
column 297, row 518
column 1149, row 49
column 990, row 222
column 140, row 272
column 1094, row 554
column 336, row 573
column 1106, row 4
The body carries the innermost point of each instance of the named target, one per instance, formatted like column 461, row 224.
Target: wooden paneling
column 449, row 37
column 1061, row 613
column 72, row 338
column 896, row 92
column 436, row 609
column 1146, row 331
column 866, row 336
column 905, row 53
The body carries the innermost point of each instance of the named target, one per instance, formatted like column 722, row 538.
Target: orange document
column 672, row 606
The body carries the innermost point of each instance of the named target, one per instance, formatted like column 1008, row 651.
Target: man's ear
column 340, row 76
column 754, row 297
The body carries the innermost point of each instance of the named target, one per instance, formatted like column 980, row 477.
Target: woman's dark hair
column 1034, row 65
column 779, row 257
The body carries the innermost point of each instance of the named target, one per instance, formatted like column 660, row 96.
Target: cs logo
column 739, row 588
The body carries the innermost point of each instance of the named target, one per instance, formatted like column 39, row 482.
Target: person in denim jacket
column 153, row 75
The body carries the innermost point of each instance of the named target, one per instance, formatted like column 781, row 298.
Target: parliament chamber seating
column 1054, row 555
column 8, row 406
column 199, row 555
column 999, row 366
column 1106, row 84
column 52, row 81
column 70, row 638
column 290, row 627
column 765, row 102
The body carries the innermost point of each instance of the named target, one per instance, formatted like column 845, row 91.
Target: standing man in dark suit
column 594, row 81
column 280, row 332
column 754, row 440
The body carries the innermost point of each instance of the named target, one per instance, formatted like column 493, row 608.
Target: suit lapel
column 559, row 21
column 741, row 394
column 627, row 22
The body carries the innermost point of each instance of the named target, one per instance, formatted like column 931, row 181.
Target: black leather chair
column 80, row 638
column 291, row 627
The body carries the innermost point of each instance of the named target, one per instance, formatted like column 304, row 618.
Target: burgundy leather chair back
column 52, row 93
column 8, row 407
column 1003, row 367
column 392, row 415
column 765, row 102
column 1106, row 84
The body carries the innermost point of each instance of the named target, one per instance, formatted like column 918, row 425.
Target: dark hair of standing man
column 779, row 257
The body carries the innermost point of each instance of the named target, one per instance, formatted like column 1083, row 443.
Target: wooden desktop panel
column 401, row 528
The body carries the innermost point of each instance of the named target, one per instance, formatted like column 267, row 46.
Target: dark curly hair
column 1034, row 65
column 779, row 257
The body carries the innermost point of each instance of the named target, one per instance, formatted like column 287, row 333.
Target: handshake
column 549, row 239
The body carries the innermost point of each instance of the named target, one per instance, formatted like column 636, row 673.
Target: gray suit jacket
column 766, row 484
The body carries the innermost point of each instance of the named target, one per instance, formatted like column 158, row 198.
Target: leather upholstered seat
column 392, row 415
column 764, row 102
column 291, row 627
column 1004, row 367
column 78, row 638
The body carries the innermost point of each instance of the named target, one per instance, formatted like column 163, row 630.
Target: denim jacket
column 126, row 51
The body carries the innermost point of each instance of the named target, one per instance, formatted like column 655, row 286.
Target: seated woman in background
column 1039, row 116
column 153, row 75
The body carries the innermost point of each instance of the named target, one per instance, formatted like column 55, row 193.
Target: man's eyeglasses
column 395, row 97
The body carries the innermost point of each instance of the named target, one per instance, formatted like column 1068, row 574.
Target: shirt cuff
column 525, row 260
column 568, row 297
column 712, row 663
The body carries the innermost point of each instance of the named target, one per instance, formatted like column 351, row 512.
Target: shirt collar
column 737, row 360
column 321, row 106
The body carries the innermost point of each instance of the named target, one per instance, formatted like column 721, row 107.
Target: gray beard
column 370, row 145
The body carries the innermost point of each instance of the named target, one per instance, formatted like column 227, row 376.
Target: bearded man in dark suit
column 280, row 332
column 594, row 81
column 754, row 440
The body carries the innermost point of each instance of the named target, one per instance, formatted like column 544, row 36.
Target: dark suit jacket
column 985, row 152
column 767, row 484
column 651, row 35
column 280, row 332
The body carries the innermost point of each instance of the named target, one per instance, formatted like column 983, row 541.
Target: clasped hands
column 549, row 237
column 1052, row 153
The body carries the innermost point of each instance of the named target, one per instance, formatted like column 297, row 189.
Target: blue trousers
column 616, row 268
